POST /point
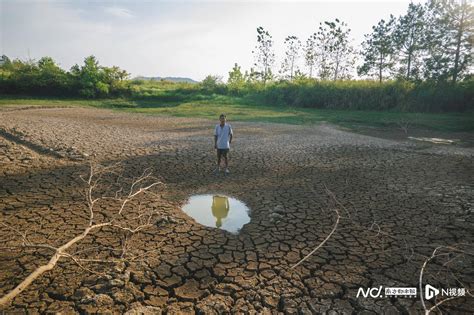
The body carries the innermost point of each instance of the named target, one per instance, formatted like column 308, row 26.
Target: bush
column 45, row 78
column 367, row 95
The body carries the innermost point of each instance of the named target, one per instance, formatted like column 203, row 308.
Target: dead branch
column 138, row 186
column 338, row 217
column 433, row 255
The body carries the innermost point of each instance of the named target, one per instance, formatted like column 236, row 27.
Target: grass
column 239, row 109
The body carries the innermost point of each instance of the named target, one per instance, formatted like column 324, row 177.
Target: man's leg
column 226, row 161
column 218, row 159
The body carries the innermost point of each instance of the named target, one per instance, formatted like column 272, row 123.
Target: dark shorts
column 222, row 152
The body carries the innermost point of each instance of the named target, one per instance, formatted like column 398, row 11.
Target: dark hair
column 222, row 115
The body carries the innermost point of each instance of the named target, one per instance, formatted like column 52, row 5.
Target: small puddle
column 218, row 211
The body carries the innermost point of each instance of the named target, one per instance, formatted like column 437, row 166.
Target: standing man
column 222, row 140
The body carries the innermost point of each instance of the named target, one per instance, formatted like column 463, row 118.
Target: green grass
column 239, row 109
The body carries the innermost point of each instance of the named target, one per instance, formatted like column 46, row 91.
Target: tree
column 87, row 77
column 289, row 65
column 5, row 62
column 93, row 80
column 114, row 74
column 378, row 50
column 52, row 79
column 309, row 53
column 251, row 77
column 409, row 39
column 451, row 30
column 335, row 54
column 114, row 79
column 24, row 75
column 264, row 54
column 211, row 82
column 236, row 79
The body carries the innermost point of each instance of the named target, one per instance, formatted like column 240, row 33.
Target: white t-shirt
column 223, row 135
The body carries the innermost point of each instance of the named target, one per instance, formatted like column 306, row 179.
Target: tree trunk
column 380, row 68
column 409, row 64
column 410, row 52
column 458, row 43
column 292, row 63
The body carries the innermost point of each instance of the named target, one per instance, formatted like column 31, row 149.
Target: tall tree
column 264, row 54
column 335, row 54
column 236, row 78
column 310, row 54
column 292, row 53
column 409, row 38
column 451, row 31
column 378, row 50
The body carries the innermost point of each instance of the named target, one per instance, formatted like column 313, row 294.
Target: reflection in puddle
column 434, row 140
column 218, row 211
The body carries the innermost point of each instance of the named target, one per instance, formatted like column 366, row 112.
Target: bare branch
column 92, row 181
column 433, row 255
column 338, row 217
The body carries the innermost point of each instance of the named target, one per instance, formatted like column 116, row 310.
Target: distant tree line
column 431, row 42
column 420, row 61
column 45, row 77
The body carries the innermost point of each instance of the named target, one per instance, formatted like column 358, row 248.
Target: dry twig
column 338, row 217
column 145, row 220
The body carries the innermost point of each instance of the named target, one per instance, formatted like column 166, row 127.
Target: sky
column 172, row 38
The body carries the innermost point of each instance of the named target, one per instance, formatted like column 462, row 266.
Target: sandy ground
column 398, row 199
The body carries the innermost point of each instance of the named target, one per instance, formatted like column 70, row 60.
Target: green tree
column 335, row 54
column 211, row 82
column 251, row 77
column 310, row 54
column 88, row 76
column 236, row 79
column 24, row 76
column 378, row 50
column 114, row 78
column 292, row 53
column 409, row 40
column 52, row 79
column 264, row 54
column 114, row 74
column 5, row 62
column 451, row 30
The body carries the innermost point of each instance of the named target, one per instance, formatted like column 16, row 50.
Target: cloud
column 119, row 12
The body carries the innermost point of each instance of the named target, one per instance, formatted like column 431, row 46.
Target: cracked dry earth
column 398, row 201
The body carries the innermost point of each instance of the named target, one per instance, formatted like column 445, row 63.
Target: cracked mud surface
column 399, row 200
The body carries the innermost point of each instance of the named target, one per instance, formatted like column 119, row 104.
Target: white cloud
column 119, row 12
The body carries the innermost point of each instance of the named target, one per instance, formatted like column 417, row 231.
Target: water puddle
column 434, row 140
column 218, row 211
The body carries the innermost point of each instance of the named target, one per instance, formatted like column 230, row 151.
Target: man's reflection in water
column 220, row 209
